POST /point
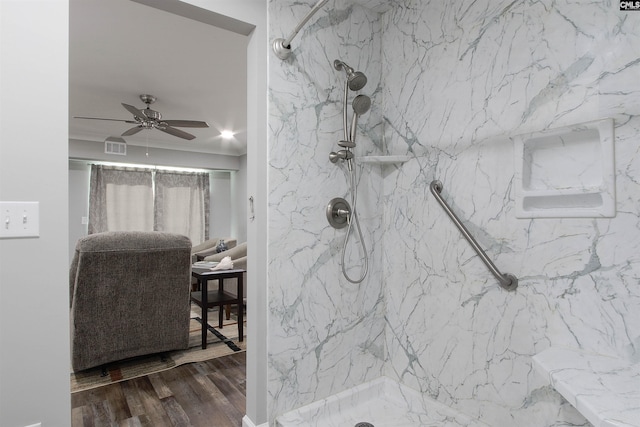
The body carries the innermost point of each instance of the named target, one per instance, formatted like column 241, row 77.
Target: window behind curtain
column 120, row 199
column 182, row 204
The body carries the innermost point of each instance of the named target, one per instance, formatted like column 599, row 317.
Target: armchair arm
column 236, row 252
column 209, row 247
column 207, row 244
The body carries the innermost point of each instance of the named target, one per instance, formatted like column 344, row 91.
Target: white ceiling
column 119, row 49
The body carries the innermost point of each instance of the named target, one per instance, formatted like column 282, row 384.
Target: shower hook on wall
column 282, row 47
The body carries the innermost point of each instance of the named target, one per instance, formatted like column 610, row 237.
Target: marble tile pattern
column 451, row 82
column 461, row 78
column 382, row 403
column 325, row 334
column 606, row 390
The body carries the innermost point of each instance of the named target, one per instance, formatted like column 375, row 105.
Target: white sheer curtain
column 182, row 204
column 120, row 199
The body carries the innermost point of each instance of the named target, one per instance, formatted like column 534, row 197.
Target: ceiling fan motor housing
column 148, row 99
column 152, row 114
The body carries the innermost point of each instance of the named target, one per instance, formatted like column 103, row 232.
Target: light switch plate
column 19, row 219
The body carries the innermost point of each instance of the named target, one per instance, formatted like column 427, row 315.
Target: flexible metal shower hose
column 354, row 214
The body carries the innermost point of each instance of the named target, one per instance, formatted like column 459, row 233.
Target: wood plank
column 130, row 391
column 101, row 413
column 81, row 417
column 117, row 402
column 220, row 403
column 232, row 370
column 190, row 396
column 147, row 396
column 210, row 393
column 175, row 413
column 130, row 422
column 229, row 391
column 162, row 390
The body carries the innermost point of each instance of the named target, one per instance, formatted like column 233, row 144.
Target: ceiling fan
column 151, row 119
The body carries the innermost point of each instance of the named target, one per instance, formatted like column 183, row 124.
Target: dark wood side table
column 209, row 299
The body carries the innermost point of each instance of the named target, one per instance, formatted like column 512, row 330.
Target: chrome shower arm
column 312, row 12
column 282, row 47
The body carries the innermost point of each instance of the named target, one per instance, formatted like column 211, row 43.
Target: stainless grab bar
column 507, row 281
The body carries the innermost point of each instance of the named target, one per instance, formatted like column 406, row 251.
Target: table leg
column 205, row 321
column 220, row 308
column 240, row 299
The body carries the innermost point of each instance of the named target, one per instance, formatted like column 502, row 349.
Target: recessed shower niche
column 566, row 172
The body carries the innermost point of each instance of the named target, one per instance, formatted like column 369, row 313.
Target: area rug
column 220, row 342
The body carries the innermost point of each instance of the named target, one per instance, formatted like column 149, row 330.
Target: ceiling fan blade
column 132, row 131
column 176, row 132
column 133, row 110
column 186, row 123
column 99, row 118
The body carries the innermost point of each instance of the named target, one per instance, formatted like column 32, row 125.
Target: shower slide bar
column 507, row 281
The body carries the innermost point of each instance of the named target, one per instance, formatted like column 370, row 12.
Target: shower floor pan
column 382, row 403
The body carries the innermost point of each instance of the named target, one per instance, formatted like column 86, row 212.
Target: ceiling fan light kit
column 151, row 119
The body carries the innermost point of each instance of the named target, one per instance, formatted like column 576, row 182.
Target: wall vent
column 115, row 145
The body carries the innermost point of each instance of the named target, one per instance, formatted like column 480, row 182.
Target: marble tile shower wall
column 325, row 334
column 459, row 78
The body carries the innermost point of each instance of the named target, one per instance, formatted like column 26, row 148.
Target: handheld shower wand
column 361, row 105
column 339, row 213
column 356, row 80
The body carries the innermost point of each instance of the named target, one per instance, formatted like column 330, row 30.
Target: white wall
column 253, row 12
column 93, row 150
column 240, row 209
column 34, row 307
column 451, row 82
column 459, row 81
column 325, row 333
column 79, row 176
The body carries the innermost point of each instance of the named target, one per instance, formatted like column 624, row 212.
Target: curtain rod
column 145, row 166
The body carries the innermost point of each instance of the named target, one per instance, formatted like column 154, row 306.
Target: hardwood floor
column 210, row 393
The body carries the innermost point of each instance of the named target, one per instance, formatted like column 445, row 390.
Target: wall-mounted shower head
column 361, row 105
column 356, row 80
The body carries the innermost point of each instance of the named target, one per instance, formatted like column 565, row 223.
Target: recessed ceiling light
column 226, row 134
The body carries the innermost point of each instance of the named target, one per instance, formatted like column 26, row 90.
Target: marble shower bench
column 605, row 390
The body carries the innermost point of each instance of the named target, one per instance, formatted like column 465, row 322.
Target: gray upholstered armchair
column 129, row 294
